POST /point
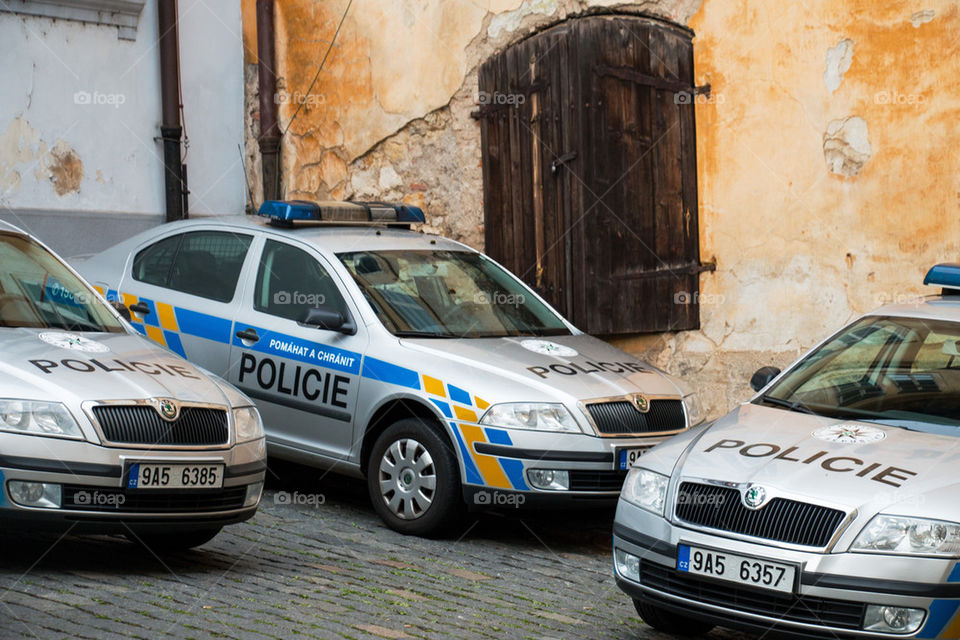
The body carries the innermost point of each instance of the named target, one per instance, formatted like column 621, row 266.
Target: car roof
column 334, row 238
column 929, row 308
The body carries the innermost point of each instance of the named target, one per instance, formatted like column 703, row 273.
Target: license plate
column 731, row 567
column 153, row 475
column 626, row 457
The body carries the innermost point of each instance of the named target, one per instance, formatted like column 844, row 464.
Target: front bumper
column 830, row 599
column 94, row 497
column 497, row 464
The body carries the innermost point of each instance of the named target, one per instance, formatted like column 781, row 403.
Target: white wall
column 77, row 99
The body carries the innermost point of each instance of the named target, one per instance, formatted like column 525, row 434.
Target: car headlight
column 694, row 409
column 38, row 418
column 247, row 423
column 909, row 536
column 530, row 415
column 646, row 489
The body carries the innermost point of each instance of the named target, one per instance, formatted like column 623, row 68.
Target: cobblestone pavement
column 327, row 570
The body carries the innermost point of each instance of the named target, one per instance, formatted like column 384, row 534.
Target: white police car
column 827, row 506
column 411, row 359
column 103, row 431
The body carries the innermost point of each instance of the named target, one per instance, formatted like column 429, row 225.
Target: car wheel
column 170, row 542
column 668, row 622
column 414, row 479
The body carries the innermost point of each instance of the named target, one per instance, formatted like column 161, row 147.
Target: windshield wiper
column 786, row 404
column 421, row 334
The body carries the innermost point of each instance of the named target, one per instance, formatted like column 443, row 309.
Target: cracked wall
column 828, row 176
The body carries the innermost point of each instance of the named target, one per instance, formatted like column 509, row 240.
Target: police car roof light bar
column 286, row 212
column 946, row 275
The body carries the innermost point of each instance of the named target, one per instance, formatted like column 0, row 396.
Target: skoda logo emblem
column 754, row 496
column 641, row 404
column 168, row 410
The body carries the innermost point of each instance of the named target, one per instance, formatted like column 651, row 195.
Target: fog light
column 892, row 619
column 628, row 565
column 549, row 479
column 35, row 494
column 253, row 494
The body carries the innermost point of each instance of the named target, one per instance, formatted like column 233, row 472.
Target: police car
column 410, row 359
column 827, row 506
column 103, row 431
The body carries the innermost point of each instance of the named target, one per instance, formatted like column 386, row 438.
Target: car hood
column 59, row 365
column 579, row 366
column 842, row 463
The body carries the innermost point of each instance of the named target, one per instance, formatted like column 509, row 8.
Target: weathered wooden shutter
column 589, row 169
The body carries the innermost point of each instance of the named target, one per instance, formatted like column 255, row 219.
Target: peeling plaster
column 846, row 146
column 839, row 59
column 63, row 168
column 922, row 17
column 511, row 20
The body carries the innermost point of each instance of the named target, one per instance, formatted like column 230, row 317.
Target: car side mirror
column 121, row 308
column 763, row 376
column 328, row 320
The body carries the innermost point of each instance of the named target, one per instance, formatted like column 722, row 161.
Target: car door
column 183, row 291
column 305, row 378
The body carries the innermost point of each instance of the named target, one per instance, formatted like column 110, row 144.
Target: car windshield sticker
column 850, row 434
column 547, row 348
column 73, row 341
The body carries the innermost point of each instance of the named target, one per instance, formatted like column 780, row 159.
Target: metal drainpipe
column 171, row 130
column 267, row 78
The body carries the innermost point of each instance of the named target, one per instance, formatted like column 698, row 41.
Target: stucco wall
column 79, row 111
column 827, row 170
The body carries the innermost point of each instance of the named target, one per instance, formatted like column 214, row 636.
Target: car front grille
column 622, row 418
column 141, row 424
column 782, row 520
column 113, row 500
column 825, row 612
column 586, row 480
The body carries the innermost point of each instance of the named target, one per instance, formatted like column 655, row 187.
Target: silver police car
column 827, row 506
column 407, row 358
column 103, row 431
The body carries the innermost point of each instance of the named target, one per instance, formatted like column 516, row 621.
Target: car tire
column 669, row 622
column 172, row 542
column 414, row 479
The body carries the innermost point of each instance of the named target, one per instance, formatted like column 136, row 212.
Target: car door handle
column 249, row 335
column 140, row 309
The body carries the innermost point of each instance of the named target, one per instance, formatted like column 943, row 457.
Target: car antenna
column 246, row 180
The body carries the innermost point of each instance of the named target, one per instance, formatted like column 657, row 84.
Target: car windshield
column 900, row 371
column 449, row 294
column 38, row 291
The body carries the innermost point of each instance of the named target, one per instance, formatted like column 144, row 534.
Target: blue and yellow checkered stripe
column 462, row 409
column 165, row 323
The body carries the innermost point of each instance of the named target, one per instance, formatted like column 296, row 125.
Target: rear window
column 201, row 263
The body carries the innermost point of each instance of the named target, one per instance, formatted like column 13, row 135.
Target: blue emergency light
column 287, row 212
column 945, row 275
